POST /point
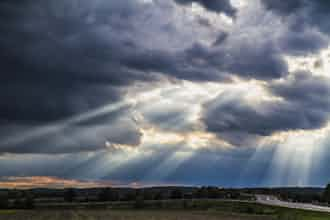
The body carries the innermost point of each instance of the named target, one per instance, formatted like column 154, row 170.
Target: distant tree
column 148, row 195
column 139, row 202
column 185, row 204
column 129, row 196
column 18, row 203
column 138, row 193
column 69, row 195
column 158, row 196
column 212, row 192
column 158, row 204
column 4, row 202
column 233, row 194
column 201, row 193
column 29, row 202
column 326, row 194
column 108, row 194
column 176, row 194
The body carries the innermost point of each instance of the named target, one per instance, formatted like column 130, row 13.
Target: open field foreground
column 226, row 211
column 125, row 215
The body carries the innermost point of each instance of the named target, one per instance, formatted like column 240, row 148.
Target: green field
column 204, row 210
column 126, row 215
column 150, row 215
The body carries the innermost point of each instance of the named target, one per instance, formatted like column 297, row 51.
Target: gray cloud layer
column 61, row 59
column 220, row 6
column 305, row 105
column 71, row 57
column 302, row 13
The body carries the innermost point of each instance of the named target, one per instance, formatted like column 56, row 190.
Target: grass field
column 209, row 211
column 126, row 215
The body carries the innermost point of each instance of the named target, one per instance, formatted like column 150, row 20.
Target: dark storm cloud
column 57, row 58
column 90, row 134
column 31, row 103
column 77, row 139
column 283, row 7
column 219, row 6
column 218, row 62
column 56, row 64
column 292, row 6
column 242, row 58
column 305, row 89
column 302, row 41
column 70, row 57
column 62, row 58
column 305, row 105
column 176, row 120
column 302, row 13
column 304, row 25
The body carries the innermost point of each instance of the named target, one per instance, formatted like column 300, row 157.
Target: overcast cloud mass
column 192, row 92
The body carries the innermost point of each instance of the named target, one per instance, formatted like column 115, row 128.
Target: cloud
column 302, row 13
column 302, row 41
column 63, row 61
column 27, row 182
column 303, row 104
column 83, row 83
column 32, row 103
column 60, row 57
column 304, row 25
column 241, row 58
column 304, row 89
column 293, row 6
column 61, row 138
column 283, row 7
column 218, row 6
column 76, row 139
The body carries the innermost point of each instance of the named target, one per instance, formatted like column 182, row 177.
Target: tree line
column 22, row 200
column 27, row 199
column 112, row 194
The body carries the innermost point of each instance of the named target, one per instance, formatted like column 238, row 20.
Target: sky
column 232, row 93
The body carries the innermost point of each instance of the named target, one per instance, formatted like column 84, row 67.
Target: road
column 272, row 200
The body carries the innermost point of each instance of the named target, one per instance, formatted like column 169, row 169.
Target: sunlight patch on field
column 6, row 212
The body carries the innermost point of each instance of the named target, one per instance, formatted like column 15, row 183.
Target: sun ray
column 60, row 125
